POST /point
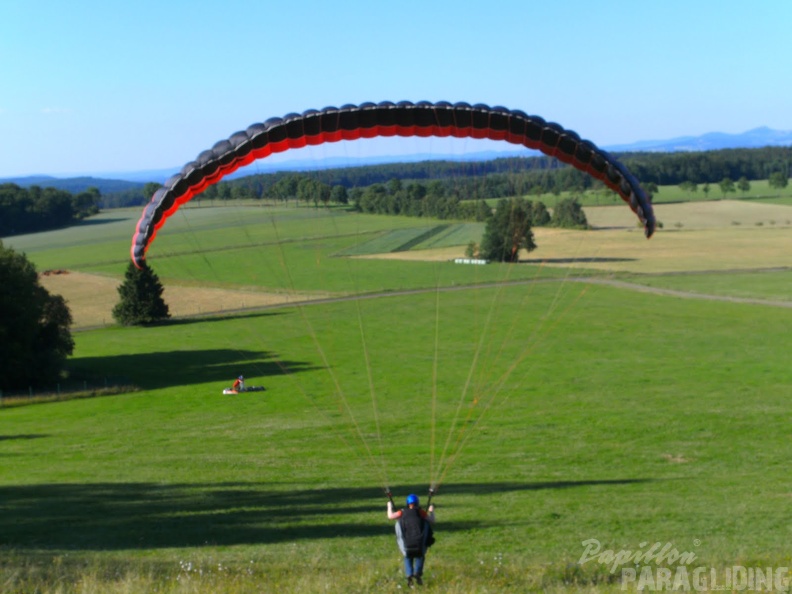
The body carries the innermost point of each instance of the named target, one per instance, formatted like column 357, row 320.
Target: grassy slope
column 651, row 438
column 629, row 418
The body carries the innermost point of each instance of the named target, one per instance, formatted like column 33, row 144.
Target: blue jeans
column 413, row 566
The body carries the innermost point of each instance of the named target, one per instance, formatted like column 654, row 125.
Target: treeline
column 417, row 199
column 286, row 186
column 521, row 176
column 367, row 175
column 469, row 180
column 458, row 194
column 481, row 180
column 115, row 193
column 27, row 210
column 125, row 198
column 489, row 179
column 709, row 166
column 438, row 199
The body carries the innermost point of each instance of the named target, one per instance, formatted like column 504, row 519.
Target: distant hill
column 75, row 185
column 756, row 138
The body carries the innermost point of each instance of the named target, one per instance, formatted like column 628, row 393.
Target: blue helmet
column 412, row 499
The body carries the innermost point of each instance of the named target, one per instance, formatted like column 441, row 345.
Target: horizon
column 646, row 73
column 295, row 160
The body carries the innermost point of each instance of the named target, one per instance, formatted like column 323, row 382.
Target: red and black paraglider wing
column 369, row 120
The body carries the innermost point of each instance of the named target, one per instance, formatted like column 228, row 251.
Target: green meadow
column 547, row 410
column 759, row 191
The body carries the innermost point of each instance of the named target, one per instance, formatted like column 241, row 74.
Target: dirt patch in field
column 91, row 297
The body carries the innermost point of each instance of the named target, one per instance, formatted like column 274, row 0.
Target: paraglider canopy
column 369, row 120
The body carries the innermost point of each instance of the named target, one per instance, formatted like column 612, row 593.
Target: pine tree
column 141, row 301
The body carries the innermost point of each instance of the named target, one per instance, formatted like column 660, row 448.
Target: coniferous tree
column 141, row 301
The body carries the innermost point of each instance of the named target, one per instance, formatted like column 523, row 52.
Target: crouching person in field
column 414, row 535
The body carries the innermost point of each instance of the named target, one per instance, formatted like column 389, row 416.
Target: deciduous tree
column 778, row 180
column 569, row 213
column 508, row 231
column 726, row 186
column 34, row 326
column 339, row 195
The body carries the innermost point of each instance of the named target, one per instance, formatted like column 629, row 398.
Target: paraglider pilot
column 239, row 384
column 413, row 535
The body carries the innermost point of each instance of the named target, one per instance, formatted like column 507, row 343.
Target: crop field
column 603, row 390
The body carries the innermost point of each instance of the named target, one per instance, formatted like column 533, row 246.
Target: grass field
column 221, row 259
column 760, row 191
column 548, row 413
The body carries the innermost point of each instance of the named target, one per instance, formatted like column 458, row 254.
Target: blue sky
column 107, row 86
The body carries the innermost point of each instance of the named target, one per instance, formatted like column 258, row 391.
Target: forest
column 27, row 210
column 522, row 176
column 443, row 189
